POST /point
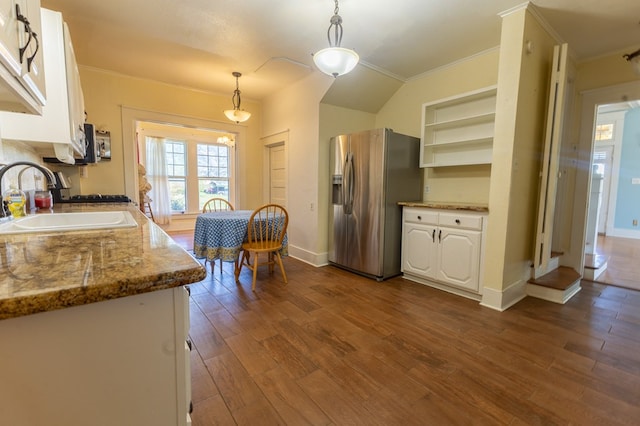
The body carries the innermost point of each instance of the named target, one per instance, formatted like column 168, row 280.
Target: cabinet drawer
column 414, row 215
column 461, row 221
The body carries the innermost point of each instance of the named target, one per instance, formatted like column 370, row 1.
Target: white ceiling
column 198, row 43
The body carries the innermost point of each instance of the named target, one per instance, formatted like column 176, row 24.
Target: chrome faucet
column 48, row 174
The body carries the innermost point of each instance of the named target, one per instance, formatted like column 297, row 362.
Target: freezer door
column 338, row 249
column 364, row 224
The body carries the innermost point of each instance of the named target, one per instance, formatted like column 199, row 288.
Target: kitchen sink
column 56, row 222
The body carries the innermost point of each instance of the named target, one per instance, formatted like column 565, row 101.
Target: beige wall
column 105, row 94
column 403, row 114
column 520, row 117
column 297, row 109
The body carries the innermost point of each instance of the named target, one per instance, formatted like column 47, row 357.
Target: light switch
column 635, row 181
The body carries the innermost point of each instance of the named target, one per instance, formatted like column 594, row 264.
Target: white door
column 277, row 175
column 459, row 257
column 603, row 158
column 419, row 250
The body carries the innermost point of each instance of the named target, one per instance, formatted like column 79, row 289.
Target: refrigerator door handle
column 347, row 187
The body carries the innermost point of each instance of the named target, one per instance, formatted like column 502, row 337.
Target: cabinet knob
column 419, row 217
column 458, row 221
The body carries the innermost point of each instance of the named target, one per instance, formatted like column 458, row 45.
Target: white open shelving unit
column 459, row 130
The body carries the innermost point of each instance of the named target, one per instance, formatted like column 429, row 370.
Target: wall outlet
column 426, row 189
column 635, row 181
column 635, row 222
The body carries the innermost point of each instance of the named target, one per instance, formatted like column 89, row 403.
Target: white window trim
column 192, row 137
column 132, row 115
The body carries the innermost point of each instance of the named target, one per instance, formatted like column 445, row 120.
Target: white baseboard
column 501, row 300
column 314, row 259
column 624, row 233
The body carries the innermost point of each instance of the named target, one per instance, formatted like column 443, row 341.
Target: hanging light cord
column 235, row 99
column 336, row 23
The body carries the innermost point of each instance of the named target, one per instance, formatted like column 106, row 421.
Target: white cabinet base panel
column 117, row 362
column 445, row 287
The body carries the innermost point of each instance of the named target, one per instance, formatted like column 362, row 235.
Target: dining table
column 220, row 234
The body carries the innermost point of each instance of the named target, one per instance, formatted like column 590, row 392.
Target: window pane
column 177, row 189
column 604, row 132
column 209, row 188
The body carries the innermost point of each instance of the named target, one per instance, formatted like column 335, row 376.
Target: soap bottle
column 16, row 201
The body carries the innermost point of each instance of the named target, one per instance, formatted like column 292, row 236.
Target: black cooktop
column 97, row 198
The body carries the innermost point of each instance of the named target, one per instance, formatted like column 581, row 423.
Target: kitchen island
column 94, row 325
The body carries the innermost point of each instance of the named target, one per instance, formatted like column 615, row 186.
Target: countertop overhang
column 54, row 270
column 447, row 205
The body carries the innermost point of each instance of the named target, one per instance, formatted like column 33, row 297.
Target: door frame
column 268, row 142
column 591, row 99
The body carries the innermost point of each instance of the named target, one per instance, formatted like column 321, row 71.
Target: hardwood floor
column 333, row 348
column 623, row 266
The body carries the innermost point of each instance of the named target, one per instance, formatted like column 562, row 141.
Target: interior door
column 603, row 158
column 277, row 175
column 550, row 162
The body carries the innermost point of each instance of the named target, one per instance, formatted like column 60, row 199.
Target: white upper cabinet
column 61, row 124
column 22, row 79
column 458, row 130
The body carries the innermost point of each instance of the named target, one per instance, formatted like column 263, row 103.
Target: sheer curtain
column 157, row 177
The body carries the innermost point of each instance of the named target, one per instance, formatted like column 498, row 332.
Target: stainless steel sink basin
column 56, row 222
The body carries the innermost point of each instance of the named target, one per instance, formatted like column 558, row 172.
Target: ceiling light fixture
column 634, row 59
column 335, row 60
column 236, row 114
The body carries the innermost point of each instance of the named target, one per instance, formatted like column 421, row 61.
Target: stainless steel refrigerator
column 371, row 172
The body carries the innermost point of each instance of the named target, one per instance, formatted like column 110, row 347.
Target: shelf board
column 445, row 164
column 462, row 122
column 445, row 145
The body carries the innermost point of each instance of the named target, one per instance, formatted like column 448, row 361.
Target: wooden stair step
column 559, row 279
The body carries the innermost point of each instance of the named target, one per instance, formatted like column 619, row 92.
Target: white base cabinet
column 443, row 248
column 119, row 362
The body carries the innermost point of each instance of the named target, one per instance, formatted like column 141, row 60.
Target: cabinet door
column 459, row 257
column 75, row 95
column 33, row 62
column 9, row 36
column 419, row 249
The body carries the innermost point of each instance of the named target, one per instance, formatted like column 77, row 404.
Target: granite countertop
column 446, row 205
column 55, row 270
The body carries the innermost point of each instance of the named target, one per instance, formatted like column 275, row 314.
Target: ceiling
column 199, row 43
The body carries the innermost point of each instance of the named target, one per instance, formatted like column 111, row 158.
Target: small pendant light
column 236, row 114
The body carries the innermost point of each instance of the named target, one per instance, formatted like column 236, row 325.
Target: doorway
column 616, row 244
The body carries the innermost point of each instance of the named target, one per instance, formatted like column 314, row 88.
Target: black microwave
column 92, row 152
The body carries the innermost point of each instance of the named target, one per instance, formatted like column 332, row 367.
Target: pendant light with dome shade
column 236, row 114
column 335, row 60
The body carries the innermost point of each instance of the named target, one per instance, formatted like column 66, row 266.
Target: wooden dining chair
column 265, row 233
column 216, row 204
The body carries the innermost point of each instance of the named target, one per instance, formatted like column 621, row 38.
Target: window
column 177, row 173
column 200, row 164
column 213, row 172
column 604, row 132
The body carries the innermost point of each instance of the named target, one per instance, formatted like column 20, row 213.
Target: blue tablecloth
column 219, row 235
